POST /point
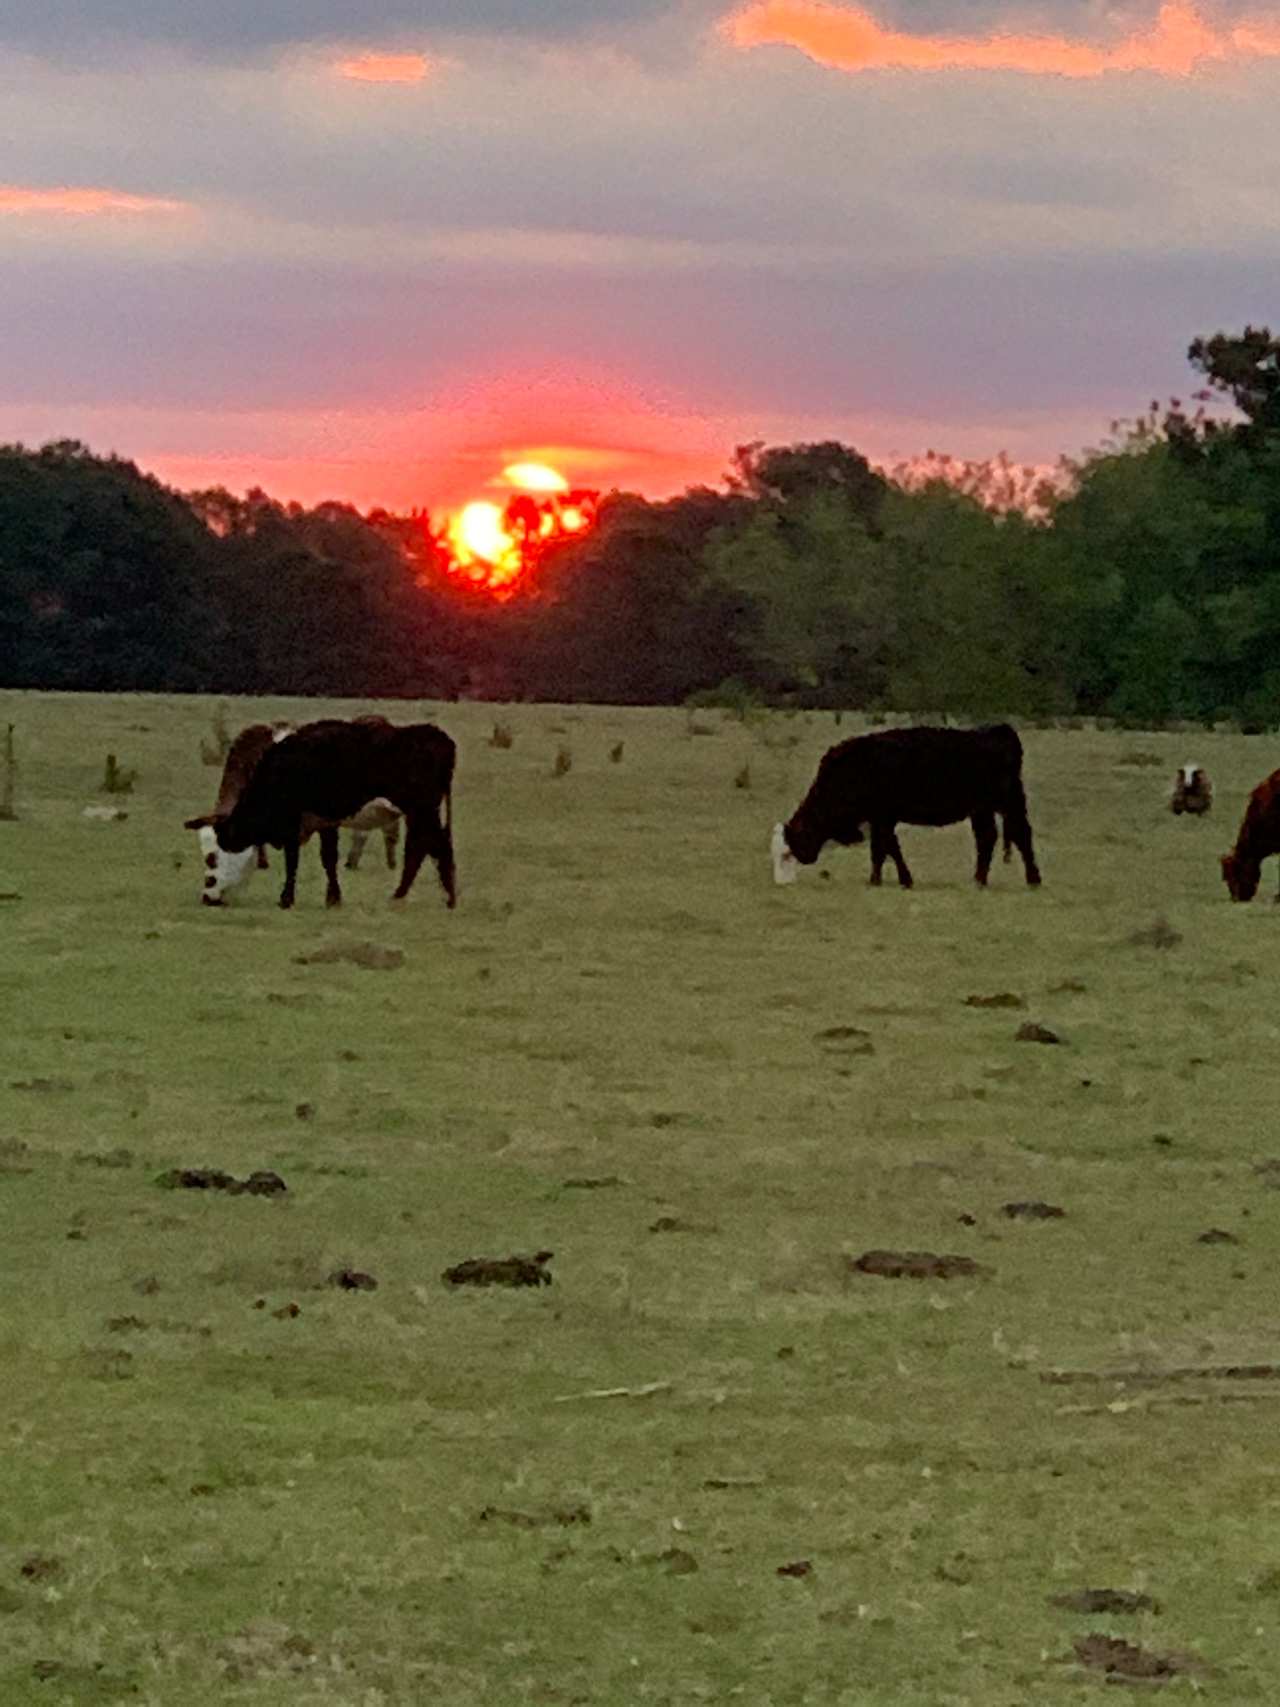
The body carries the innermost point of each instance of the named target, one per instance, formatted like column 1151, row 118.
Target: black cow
column 911, row 776
column 325, row 773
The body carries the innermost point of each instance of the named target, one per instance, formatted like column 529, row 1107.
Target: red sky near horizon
column 620, row 238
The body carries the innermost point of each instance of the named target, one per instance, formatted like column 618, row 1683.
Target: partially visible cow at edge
column 911, row 776
column 322, row 776
column 224, row 871
column 1258, row 837
column 1192, row 792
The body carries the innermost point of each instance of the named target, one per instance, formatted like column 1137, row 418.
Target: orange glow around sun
column 493, row 544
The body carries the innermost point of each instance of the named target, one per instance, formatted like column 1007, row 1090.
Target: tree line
column 1143, row 584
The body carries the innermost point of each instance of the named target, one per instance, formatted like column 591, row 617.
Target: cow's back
column 331, row 769
column 927, row 775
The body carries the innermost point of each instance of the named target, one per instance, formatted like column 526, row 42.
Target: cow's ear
column 200, row 823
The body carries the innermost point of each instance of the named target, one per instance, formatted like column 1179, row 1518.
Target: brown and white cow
column 1258, row 837
column 1192, row 791
column 325, row 773
column 224, row 871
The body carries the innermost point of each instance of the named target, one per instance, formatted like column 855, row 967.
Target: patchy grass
column 713, row 1459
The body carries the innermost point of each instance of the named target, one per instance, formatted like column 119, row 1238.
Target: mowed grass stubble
column 614, row 1050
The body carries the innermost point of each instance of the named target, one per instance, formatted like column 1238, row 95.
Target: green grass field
column 409, row 1495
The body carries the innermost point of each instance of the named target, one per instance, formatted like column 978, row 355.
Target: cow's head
column 223, row 867
column 785, row 866
column 1241, row 876
column 813, row 825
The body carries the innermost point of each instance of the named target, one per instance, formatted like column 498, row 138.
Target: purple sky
column 618, row 235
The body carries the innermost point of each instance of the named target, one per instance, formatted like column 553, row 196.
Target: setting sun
column 495, row 544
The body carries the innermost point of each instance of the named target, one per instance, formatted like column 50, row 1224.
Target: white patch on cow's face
column 1189, row 775
column 786, row 868
column 222, row 870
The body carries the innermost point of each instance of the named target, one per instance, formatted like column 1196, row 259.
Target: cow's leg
column 290, row 890
column 879, row 852
column 1018, row 828
column 894, row 849
column 329, row 860
column 358, row 839
column 985, row 837
column 425, row 834
column 884, row 845
column 263, row 864
column 392, row 837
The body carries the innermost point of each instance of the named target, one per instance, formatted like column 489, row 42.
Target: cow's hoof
column 286, row 903
column 209, row 901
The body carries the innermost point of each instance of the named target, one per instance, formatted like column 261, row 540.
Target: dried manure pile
column 887, row 1357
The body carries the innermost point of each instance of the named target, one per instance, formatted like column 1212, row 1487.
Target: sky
column 377, row 249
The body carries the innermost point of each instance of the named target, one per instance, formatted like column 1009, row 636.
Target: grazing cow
column 326, row 772
column 1259, row 836
column 224, row 871
column 1192, row 792
column 911, row 776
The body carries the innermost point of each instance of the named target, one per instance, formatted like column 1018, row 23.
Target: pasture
column 704, row 1095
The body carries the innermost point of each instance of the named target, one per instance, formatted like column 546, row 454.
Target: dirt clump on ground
column 1096, row 1600
column 1125, row 1662
column 1033, row 1033
column 352, row 1280
column 913, row 1265
column 675, row 1224
column 1217, row 1236
column 501, row 1271
column 104, row 1158
column 1034, row 1210
column 797, row 1568
column 41, row 1567
column 261, row 1183
column 1001, row 999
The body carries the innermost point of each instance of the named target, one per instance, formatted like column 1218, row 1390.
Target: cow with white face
column 1192, row 792
column 327, row 774
column 223, row 870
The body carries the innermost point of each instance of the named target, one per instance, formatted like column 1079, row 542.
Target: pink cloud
column 384, row 67
column 848, row 38
column 81, row 202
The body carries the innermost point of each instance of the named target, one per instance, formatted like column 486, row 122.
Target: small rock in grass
column 1033, row 1033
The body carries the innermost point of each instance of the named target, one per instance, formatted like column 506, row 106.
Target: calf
column 325, row 773
column 1259, row 836
column 1192, row 792
column 224, row 871
column 911, row 776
